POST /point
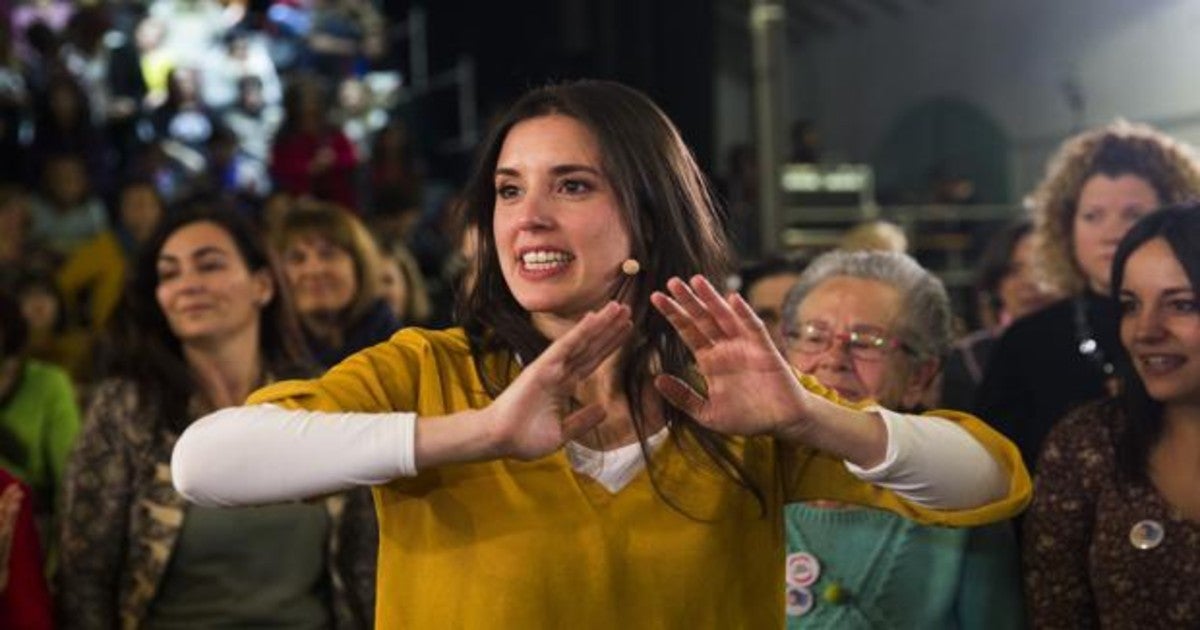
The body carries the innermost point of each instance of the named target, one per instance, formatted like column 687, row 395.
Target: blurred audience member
column 346, row 36
column 157, row 61
column 63, row 125
column 1007, row 290
column 37, row 413
column 403, row 287
column 395, row 167
column 207, row 323
column 360, row 118
column 19, row 253
column 94, row 276
column 765, row 285
column 184, row 117
column 14, row 102
column 253, row 120
column 111, row 74
column 875, row 236
column 53, row 338
column 240, row 180
column 311, row 156
column 331, row 263
column 66, row 213
column 243, row 55
column 24, row 599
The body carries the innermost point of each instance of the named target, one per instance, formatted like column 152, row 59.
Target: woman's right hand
column 536, row 414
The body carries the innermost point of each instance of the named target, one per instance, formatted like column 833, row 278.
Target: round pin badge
column 1147, row 534
column 803, row 569
column 799, row 601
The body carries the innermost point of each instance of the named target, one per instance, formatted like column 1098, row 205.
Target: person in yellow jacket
column 601, row 444
column 93, row 277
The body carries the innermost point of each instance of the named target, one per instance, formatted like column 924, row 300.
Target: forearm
column 267, row 454
column 855, row 436
column 935, row 463
column 927, row 460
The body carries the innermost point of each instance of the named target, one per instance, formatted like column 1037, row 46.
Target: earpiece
column 630, row 267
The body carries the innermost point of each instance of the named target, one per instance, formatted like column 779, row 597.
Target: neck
column 325, row 327
column 228, row 372
column 605, row 388
column 1181, row 429
column 553, row 326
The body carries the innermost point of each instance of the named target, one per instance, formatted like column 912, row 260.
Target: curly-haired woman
column 1097, row 186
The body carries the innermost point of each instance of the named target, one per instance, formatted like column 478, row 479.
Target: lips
column 539, row 261
column 1159, row 364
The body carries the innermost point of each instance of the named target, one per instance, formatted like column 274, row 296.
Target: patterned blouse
column 122, row 518
column 1099, row 550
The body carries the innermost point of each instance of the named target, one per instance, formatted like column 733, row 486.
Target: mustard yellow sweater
column 511, row 544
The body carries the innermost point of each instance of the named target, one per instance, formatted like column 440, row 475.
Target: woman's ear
column 264, row 287
column 922, row 386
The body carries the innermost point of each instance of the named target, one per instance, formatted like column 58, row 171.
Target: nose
column 1148, row 325
column 534, row 213
column 1117, row 228
column 189, row 282
column 836, row 356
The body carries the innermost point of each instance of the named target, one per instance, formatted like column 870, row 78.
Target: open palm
column 751, row 389
column 535, row 415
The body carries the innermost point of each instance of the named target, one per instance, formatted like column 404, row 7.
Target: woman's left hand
column 751, row 389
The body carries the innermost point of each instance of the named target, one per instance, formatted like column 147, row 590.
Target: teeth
column 1160, row 362
column 545, row 259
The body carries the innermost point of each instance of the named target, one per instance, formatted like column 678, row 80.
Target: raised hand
column 751, row 389
column 535, row 415
column 10, row 506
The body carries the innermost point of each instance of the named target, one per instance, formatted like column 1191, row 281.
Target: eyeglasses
column 863, row 342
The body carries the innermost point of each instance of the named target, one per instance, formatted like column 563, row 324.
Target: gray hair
column 925, row 316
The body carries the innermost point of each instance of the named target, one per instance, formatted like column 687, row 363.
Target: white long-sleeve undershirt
column 267, row 454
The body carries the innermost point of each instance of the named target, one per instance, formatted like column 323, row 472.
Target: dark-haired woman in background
column 1113, row 537
column 206, row 323
column 1007, row 290
column 1096, row 187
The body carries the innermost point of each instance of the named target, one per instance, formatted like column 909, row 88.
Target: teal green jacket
column 891, row 572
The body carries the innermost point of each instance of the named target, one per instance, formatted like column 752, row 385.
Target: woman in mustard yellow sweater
column 601, row 444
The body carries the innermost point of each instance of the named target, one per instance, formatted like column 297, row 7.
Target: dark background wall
column 665, row 48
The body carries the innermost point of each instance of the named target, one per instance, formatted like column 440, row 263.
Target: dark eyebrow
column 1177, row 290
column 203, row 251
column 561, row 169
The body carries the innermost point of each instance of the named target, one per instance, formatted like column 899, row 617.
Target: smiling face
column 322, row 275
column 1107, row 208
column 1160, row 323
column 205, row 290
column 560, row 234
column 844, row 304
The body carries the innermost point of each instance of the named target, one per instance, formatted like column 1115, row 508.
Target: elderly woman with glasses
column 874, row 326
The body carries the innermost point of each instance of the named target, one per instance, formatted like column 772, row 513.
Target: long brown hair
column 672, row 218
column 147, row 351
